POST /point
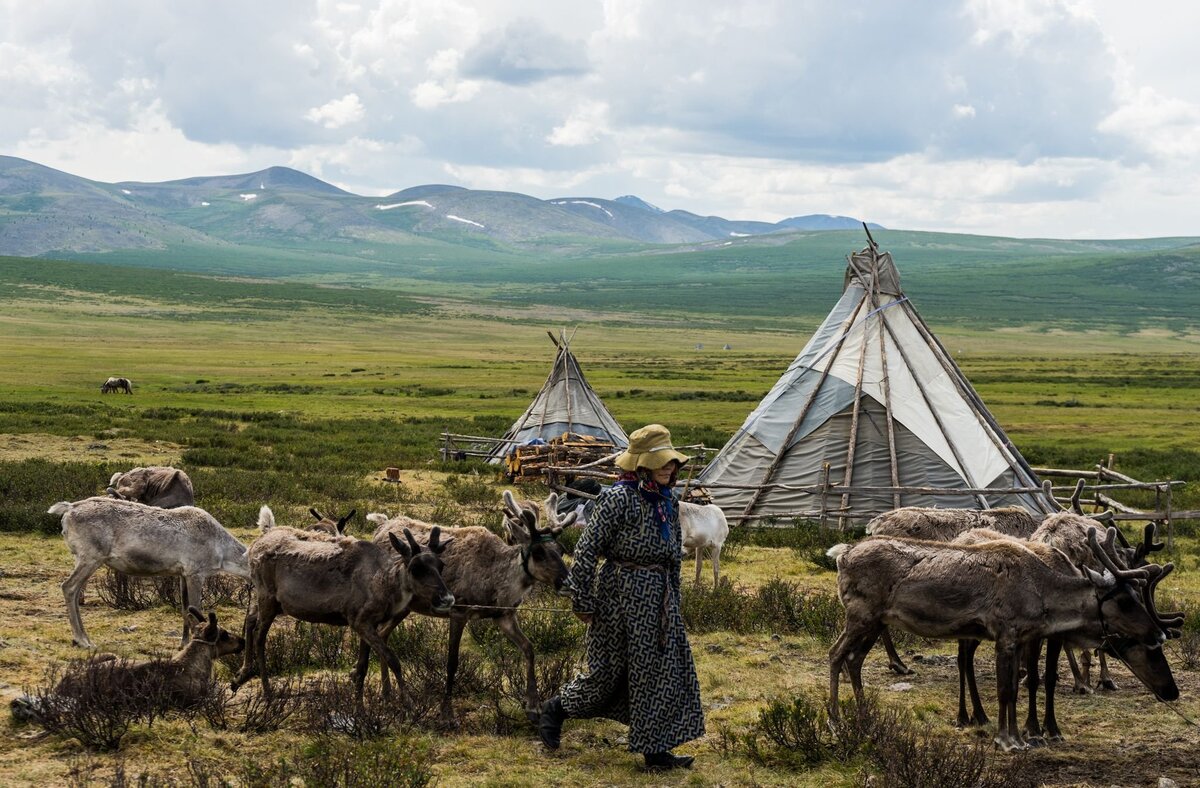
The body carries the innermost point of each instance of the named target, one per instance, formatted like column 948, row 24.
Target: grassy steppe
column 295, row 394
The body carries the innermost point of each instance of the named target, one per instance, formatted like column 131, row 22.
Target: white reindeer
column 701, row 527
column 142, row 540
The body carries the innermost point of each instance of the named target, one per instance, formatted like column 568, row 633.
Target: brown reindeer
column 157, row 485
column 184, row 680
column 1149, row 665
column 489, row 579
column 999, row 590
column 322, row 579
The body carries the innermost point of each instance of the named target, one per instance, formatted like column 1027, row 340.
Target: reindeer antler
column 1104, row 557
column 1148, row 544
column 1075, row 507
column 1171, row 623
column 412, row 543
column 436, row 545
column 315, row 513
column 341, row 524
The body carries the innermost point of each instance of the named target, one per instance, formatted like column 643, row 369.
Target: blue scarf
column 661, row 501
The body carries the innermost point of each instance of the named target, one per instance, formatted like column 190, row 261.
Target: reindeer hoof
column 1055, row 738
column 979, row 720
column 1035, row 741
column 1081, row 689
column 900, row 669
column 1108, row 685
column 83, row 644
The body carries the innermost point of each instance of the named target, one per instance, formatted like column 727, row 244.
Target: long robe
column 640, row 667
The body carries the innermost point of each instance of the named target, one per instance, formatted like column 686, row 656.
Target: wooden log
column 1066, row 472
column 1115, row 475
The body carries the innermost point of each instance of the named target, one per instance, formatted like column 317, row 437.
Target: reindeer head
column 541, row 554
column 425, row 568
column 329, row 525
column 1121, row 595
column 221, row 641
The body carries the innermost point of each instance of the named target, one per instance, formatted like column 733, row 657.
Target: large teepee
column 877, row 397
column 566, row 403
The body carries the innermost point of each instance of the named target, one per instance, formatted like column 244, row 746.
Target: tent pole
column 567, row 377
column 850, row 451
column 887, row 398
column 938, row 420
column 803, row 411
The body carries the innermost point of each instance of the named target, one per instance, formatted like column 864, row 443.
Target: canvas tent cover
column 566, row 403
column 875, row 350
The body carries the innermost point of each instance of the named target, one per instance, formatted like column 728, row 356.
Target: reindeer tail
column 60, row 508
column 266, row 519
column 377, row 517
column 837, row 551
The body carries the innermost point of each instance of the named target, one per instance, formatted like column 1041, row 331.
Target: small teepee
column 878, row 400
column 566, row 404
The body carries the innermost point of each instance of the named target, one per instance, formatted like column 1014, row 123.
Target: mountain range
column 46, row 212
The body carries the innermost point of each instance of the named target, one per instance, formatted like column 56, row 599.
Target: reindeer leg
column 508, row 625
column 71, row 588
column 1053, row 648
column 1106, row 683
column 457, row 624
column 249, row 631
column 1085, row 670
column 266, row 617
column 385, row 632
column 964, row 719
column 193, row 587
column 856, row 639
column 699, row 558
column 716, row 562
column 978, row 715
column 1033, row 730
column 1081, row 685
column 895, row 664
column 1006, row 687
column 387, row 658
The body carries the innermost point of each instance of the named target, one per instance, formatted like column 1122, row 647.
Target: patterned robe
column 640, row 668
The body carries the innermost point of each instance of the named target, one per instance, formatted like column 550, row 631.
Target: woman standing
column 640, row 668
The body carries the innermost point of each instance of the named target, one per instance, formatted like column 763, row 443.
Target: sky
column 1058, row 118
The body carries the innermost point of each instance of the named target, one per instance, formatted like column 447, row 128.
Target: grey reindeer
column 144, row 541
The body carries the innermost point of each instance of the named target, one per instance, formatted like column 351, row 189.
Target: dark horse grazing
column 116, row 384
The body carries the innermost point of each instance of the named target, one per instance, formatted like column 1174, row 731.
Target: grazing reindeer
column 1149, row 665
column 158, row 485
column 998, row 590
column 489, row 579
column 145, row 541
column 116, row 384
column 184, row 679
column 322, row 579
column 704, row 526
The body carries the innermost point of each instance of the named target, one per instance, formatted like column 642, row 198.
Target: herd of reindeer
column 1067, row 580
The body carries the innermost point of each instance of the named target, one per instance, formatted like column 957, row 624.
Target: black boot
column 662, row 761
column 550, row 723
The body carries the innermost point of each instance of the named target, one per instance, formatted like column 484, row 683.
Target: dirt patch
column 110, row 448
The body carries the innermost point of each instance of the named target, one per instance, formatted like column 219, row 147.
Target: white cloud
column 585, row 125
column 337, row 113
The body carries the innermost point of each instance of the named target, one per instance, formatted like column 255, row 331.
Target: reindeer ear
column 195, row 613
column 341, row 524
column 551, row 503
column 316, row 514
column 413, row 543
column 399, row 547
column 510, row 504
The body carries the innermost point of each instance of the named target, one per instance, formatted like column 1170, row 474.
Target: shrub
column 778, row 606
column 331, row 706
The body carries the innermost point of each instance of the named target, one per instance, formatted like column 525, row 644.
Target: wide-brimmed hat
column 650, row 448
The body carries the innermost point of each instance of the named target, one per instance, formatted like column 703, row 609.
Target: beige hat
column 650, row 448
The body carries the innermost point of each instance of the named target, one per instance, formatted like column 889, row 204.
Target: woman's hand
column 586, row 618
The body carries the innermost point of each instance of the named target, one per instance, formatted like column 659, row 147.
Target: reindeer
column 145, row 541
column 116, row 384
column 157, row 485
column 323, row 579
column 489, row 579
column 184, row 679
column 704, row 527
column 998, row 590
column 1149, row 665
